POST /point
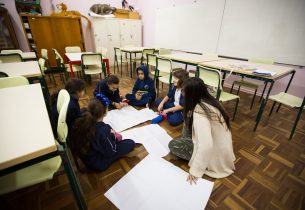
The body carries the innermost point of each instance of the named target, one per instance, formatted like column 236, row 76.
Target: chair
column 212, row 78
column 93, row 64
column 42, row 171
column 64, row 68
column 7, row 82
column 250, row 84
column 119, row 59
column 163, row 72
column 11, row 51
column 290, row 101
column 73, row 49
column 151, row 62
column 10, row 58
column 144, row 55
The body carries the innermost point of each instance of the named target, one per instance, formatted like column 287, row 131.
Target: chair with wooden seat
column 10, row 58
column 249, row 84
column 6, row 82
column 119, row 59
column 45, row 170
column 93, row 64
column 290, row 101
column 212, row 78
column 73, row 49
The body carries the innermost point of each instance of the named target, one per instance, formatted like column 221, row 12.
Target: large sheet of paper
column 127, row 117
column 154, row 138
column 157, row 184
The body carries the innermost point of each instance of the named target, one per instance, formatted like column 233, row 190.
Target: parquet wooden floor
column 270, row 169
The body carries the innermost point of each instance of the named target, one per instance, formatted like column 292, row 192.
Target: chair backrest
column 146, row 51
column 44, row 54
column 164, row 65
column 62, row 108
column 151, row 59
column 42, row 65
column 163, row 51
column 59, row 59
column 3, row 74
column 261, row 60
column 7, row 82
column 73, row 49
column 11, row 51
column 10, row 58
column 212, row 55
column 117, row 53
column 102, row 50
column 92, row 59
column 211, row 77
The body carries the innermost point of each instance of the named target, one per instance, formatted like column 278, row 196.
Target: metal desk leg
column 131, row 67
column 78, row 194
column 262, row 107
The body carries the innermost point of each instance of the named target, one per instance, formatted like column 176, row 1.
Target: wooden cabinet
column 8, row 38
column 52, row 32
column 115, row 32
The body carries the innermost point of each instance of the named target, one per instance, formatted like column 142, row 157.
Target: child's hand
column 138, row 96
column 165, row 111
column 123, row 104
column 160, row 107
column 118, row 105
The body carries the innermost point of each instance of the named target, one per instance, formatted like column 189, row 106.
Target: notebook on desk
column 264, row 72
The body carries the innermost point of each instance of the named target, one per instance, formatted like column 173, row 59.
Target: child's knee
column 175, row 120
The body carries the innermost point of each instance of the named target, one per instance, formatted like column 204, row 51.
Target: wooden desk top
column 246, row 68
column 25, row 130
column 26, row 69
column 190, row 58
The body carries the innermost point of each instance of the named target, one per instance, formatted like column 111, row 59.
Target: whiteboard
column 270, row 29
column 273, row 29
column 192, row 27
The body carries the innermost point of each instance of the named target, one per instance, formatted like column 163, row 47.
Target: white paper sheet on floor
column 154, row 138
column 157, row 184
column 127, row 117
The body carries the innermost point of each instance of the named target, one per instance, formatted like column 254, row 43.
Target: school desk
column 189, row 58
column 232, row 66
column 28, row 56
column 29, row 69
column 26, row 134
column 133, row 50
column 76, row 59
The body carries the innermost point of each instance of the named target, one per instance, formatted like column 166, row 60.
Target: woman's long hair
column 196, row 92
column 83, row 131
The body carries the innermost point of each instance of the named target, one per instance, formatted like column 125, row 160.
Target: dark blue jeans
column 134, row 102
column 174, row 118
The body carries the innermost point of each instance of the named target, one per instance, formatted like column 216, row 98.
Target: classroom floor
column 270, row 169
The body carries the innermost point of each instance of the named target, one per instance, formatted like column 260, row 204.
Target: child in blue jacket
column 143, row 91
column 172, row 104
column 95, row 142
column 109, row 88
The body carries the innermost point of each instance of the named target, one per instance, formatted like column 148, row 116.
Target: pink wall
column 82, row 6
column 147, row 10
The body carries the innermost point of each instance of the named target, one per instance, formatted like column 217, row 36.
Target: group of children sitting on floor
column 206, row 142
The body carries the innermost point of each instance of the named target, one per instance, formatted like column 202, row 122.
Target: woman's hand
column 191, row 179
